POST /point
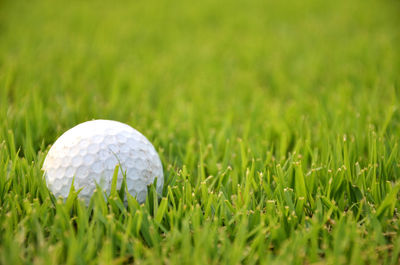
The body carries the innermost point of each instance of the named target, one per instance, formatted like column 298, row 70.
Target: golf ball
column 89, row 154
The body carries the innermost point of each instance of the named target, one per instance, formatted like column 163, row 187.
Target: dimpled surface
column 90, row 152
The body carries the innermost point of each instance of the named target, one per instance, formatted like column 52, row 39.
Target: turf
column 277, row 123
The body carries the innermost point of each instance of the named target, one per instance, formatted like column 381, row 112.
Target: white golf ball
column 89, row 154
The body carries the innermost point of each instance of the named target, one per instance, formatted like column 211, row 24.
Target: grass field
column 277, row 122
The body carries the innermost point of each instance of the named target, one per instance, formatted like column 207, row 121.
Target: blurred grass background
column 316, row 78
column 205, row 63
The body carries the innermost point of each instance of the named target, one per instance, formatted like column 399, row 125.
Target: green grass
column 277, row 123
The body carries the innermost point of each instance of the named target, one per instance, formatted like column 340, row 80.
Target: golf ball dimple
column 89, row 153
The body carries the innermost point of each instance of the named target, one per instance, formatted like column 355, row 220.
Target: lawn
column 277, row 123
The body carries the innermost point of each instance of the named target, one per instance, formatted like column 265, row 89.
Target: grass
column 277, row 123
